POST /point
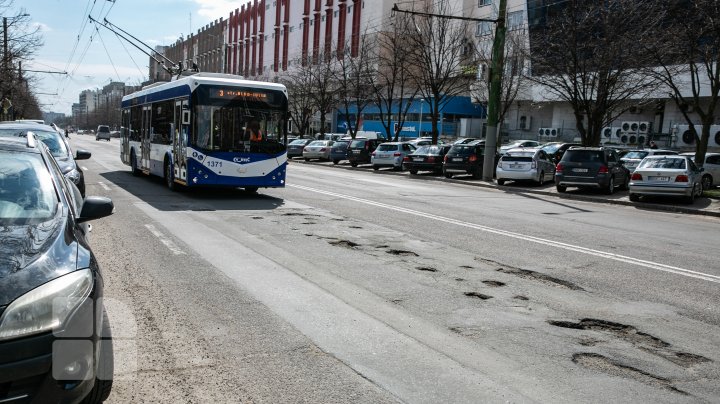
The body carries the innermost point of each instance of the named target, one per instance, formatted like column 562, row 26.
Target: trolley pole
column 494, row 99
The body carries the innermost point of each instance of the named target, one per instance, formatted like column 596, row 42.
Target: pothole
column 403, row 253
column 478, row 295
column 355, row 227
column 335, row 219
column 257, row 217
column 466, row 267
column 494, row 284
column 546, row 279
column 460, row 279
column 606, row 365
column 520, row 297
column 639, row 339
column 427, row 269
column 344, row 243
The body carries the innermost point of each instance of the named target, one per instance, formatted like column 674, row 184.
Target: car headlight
column 73, row 175
column 47, row 306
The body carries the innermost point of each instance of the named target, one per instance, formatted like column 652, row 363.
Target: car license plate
column 514, row 165
column 661, row 179
column 418, row 159
column 580, row 170
column 457, row 159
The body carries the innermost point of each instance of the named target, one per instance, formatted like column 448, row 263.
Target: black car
column 55, row 343
column 295, row 148
column 555, row 150
column 591, row 167
column 360, row 150
column 466, row 158
column 57, row 144
column 426, row 158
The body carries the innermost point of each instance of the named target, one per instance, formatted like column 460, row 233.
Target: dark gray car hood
column 33, row 254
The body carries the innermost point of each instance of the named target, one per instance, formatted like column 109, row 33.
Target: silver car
column 317, row 149
column 666, row 175
column 525, row 164
column 632, row 158
column 711, row 169
column 390, row 154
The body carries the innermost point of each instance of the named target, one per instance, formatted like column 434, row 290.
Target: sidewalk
column 702, row 206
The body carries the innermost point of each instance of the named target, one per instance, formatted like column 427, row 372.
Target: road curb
column 584, row 198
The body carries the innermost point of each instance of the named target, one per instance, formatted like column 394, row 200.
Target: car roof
column 664, row 156
column 523, row 150
column 27, row 125
column 17, row 144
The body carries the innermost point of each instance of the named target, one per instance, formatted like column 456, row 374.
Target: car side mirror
column 82, row 155
column 95, row 207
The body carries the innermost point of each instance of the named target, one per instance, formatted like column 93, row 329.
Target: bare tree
column 354, row 75
column 323, row 87
column 391, row 86
column 438, row 58
column 301, row 105
column 687, row 63
column 514, row 79
column 592, row 55
column 20, row 42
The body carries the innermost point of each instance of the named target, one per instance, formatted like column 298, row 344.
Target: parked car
column 556, row 149
column 55, row 343
column 360, row 149
column 525, row 164
column 466, row 158
column 518, row 143
column 711, row 169
column 591, row 167
column 103, row 132
column 632, row 158
column 295, row 148
column 317, row 149
column 338, row 152
column 423, row 141
column 465, row 140
column 666, row 176
column 57, row 143
column 426, row 158
column 390, row 154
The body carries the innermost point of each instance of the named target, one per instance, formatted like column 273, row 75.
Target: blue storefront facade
column 418, row 120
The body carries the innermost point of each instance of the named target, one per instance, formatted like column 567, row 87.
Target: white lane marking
column 105, row 187
column 169, row 244
column 551, row 243
column 84, row 168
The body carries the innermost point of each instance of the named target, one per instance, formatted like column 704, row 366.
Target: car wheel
column 561, row 188
column 447, row 174
column 413, row 171
column 376, row 167
column 635, row 197
column 336, row 161
column 105, row 367
column 354, row 164
column 170, row 176
column 626, row 185
column 133, row 165
column 691, row 199
column 611, row 186
column 307, row 159
column 500, row 182
column 707, row 182
column 541, row 178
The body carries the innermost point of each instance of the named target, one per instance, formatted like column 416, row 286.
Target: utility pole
column 496, row 73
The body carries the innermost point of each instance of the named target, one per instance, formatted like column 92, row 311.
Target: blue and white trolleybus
column 207, row 129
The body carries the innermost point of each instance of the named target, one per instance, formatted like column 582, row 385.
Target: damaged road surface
column 350, row 286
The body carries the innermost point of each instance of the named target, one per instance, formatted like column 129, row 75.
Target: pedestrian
column 653, row 145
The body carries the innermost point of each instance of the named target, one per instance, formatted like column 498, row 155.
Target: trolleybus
column 203, row 129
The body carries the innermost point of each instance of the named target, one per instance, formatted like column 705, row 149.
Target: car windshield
column 462, row 150
column 340, row 145
column 103, row 129
column 636, row 155
column 358, row 144
column 551, row 148
column 676, row 163
column 431, row 149
column 579, row 156
column 51, row 139
column 387, row 147
column 517, row 157
column 298, row 141
column 26, row 190
column 318, row 143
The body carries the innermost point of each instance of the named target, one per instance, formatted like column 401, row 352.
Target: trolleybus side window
column 162, row 118
column 135, row 123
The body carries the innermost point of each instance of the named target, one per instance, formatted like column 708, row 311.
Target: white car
column 390, row 154
column 525, row 164
column 317, row 149
column 711, row 174
column 632, row 158
column 666, row 176
column 518, row 143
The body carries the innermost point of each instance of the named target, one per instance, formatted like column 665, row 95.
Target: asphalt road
column 355, row 286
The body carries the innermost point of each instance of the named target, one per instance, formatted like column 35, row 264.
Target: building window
column 484, row 28
column 323, row 18
column 335, row 14
column 515, row 20
column 482, row 3
column 350, row 9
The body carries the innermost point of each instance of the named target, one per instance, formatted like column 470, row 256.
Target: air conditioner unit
column 629, row 126
column 610, row 134
column 714, row 139
column 632, row 139
column 685, row 137
column 624, row 138
column 547, row 132
column 644, row 127
column 553, row 132
column 541, row 132
column 641, row 139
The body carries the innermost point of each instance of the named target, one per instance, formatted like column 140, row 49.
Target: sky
column 93, row 56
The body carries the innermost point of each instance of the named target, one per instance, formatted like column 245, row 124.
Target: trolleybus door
column 145, row 140
column 179, row 136
column 125, row 137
